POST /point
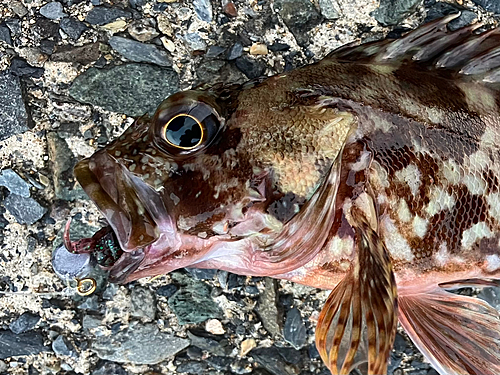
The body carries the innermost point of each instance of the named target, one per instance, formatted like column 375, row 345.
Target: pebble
column 258, row 49
column 252, row 68
column 52, row 11
column 214, row 326
column 139, row 344
column 489, row 5
column 139, row 52
column 202, row 274
column 5, row 34
column 212, row 346
column 143, row 304
column 230, row 9
column 219, row 363
column 203, row 9
column 14, row 183
column 109, row 368
column 246, row 346
column 73, row 27
column 142, row 30
column 270, row 359
column 195, row 42
column 192, row 367
column 21, row 68
column 69, row 266
column 235, row 51
column 294, row 331
column 111, row 88
column 18, row 8
column 214, row 51
column 299, row 16
column 13, row 116
column 102, row 15
column 26, row 322
column 328, row 10
column 25, row 210
column 12, row 345
column 90, row 322
column 167, row 290
column 85, row 54
column 391, row 12
column 62, row 346
column 3, row 367
column 267, row 307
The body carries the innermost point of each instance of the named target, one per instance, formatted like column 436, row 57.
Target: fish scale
column 372, row 173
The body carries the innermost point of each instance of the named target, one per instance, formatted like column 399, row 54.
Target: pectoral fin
column 458, row 334
column 358, row 323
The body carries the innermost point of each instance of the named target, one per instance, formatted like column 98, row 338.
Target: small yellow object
column 85, row 287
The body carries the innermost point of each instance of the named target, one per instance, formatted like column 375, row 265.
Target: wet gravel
column 73, row 73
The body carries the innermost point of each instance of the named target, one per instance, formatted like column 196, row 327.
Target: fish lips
column 133, row 209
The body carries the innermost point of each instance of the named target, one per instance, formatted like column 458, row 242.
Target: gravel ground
column 66, row 72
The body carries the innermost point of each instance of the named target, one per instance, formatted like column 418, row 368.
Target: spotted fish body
column 374, row 173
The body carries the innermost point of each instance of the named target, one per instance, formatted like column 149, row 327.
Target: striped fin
column 433, row 46
column 357, row 325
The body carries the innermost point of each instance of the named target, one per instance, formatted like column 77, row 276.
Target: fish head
column 210, row 177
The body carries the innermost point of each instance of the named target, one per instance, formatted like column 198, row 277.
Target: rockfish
column 374, row 173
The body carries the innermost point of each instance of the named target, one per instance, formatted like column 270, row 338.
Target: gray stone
column 72, row 27
column 12, row 181
column 328, row 10
column 3, row 367
column 102, row 15
column 143, row 304
column 391, row 12
column 195, row 42
column 299, row 16
column 63, row 346
column 210, row 345
column 203, row 9
column 202, row 274
column 267, row 307
column 5, row 34
column 235, row 51
column 12, row 345
column 270, row 359
column 14, row 118
column 294, row 331
column 90, row 322
column 52, row 11
column 192, row 367
column 139, row 344
column 252, row 68
column 18, row 8
column 489, row 5
column 111, row 88
column 69, row 266
column 26, row 322
column 140, row 52
column 25, row 210
column 109, row 368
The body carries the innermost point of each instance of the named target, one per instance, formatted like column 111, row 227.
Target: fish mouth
column 134, row 211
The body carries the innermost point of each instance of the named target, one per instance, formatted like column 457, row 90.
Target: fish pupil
column 183, row 131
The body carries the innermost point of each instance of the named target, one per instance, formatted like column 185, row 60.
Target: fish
column 373, row 173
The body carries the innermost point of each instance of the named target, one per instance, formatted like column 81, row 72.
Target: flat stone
column 12, row 345
column 195, row 42
column 5, row 34
column 192, row 367
column 252, row 68
column 26, row 322
column 25, row 210
column 202, row 274
column 203, row 9
column 18, row 8
column 111, row 88
column 267, row 307
column 139, row 344
column 489, row 5
column 21, row 68
column 328, row 10
column 210, row 345
column 270, row 359
column 53, row 11
column 90, row 322
column 235, row 51
column 73, row 27
column 140, row 52
column 63, row 346
column 294, row 331
column 143, row 304
column 391, row 12
column 167, row 290
column 69, row 266
column 14, row 118
column 12, row 181
column 102, row 15
column 84, row 54
column 300, row 16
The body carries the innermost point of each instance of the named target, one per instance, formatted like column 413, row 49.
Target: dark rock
column 111, row 88
column 328, row 10
column 142, row 30
column 47, row 46
column 5, row 34
column 489, row 5
column 270, row 359
column 136, row 3
column 62, row 163
column 313, row 352
column 210, row 71
column 167, row 290
column 294, row 331
column 195, row 42
column 139, row 52
column 192, row 303
column 26, row 322
column 110, row 292
column 25, row 210
column 391, row 12
column 252, row 68
column 13, row 116
column 73, row 27
column 194, row 352
column 12, row 345
column 202, row 274
column 235, row 281
column 14, row 26
column 139, row 344
column 83, row 55
column 399, row 343
column 192, row 367
column 63, row 346
column 279, row 47
column 299, row 16
column 214, row 51
column 203, row 9
column 440, row 10
column 235, row 51
column 267, row 307
column 143, row 304
column 394, row 362
column 290, row 355
column 52, row 10
column 45, row 28
column 91, row 303
column 210, row 345
column 21, row 68
column 12, row 181
column 251, row 290
column 102, row 15
column 109, row 368
column 219, row 363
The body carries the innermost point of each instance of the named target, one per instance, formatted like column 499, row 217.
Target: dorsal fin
column 433, row 46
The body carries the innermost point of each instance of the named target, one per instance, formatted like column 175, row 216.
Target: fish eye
column 183, row 131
